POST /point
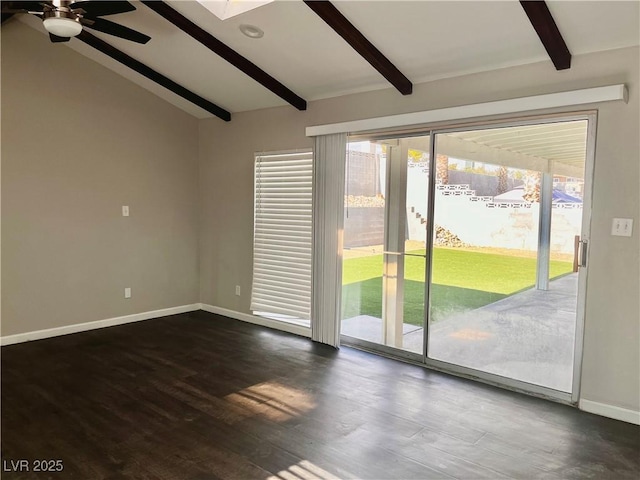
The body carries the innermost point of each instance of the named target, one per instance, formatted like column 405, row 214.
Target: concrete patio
column 528, row 336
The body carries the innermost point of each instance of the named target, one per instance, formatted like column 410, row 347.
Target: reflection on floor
column 528, row 336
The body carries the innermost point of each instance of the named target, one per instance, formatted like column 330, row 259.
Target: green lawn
column 462, row 280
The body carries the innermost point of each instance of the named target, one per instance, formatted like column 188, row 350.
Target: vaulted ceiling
column 423, row 40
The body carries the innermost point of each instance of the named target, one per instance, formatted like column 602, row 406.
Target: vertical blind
column 282, row 245
column 328, row 191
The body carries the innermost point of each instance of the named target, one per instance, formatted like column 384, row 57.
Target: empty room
column 298, row 239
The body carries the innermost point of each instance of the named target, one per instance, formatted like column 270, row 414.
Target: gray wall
column 362, row 174
column 611, row 371
column 78, row 142
column 483, row 185
column 363, row 227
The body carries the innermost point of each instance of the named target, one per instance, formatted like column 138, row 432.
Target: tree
column 503, row 176
column 531, row 181
column 442, row 169
column 417, row 156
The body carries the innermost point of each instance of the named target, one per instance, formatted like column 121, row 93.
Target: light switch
column 127, row 292
column 125, row 210
column 622, row 227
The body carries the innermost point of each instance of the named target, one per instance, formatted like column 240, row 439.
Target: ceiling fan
column 65, row 19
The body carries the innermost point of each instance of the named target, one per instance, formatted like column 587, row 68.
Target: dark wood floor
column 197, row 396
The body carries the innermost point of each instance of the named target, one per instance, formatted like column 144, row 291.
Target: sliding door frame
column 423, row 360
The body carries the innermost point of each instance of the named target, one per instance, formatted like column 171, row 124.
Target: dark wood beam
column 151, row 74
column 546, row 28
column 226, row 52
column 343, row 27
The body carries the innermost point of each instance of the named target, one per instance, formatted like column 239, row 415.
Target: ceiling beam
column 151, row 74
column 343, row 27
column 226, row 52
column 546, row 28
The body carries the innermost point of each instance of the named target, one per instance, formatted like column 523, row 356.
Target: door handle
column 584, row 246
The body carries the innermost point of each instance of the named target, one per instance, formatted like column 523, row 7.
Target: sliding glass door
column 480, row 267
column 504, row 285
column 385, row 232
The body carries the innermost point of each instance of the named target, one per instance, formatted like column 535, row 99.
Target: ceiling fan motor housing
column 64, row 19
column 61, row 20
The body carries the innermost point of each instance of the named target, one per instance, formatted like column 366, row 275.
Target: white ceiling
column 556, row 147
column 424, row 39
column 549, row 147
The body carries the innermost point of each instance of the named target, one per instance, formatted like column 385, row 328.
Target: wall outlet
column 238, row 290
column 127, row 292
column 125, row 210
column 622, row 227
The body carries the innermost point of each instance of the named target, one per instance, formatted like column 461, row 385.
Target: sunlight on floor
column 273, row 400
column 303, row 470
column 468, row 334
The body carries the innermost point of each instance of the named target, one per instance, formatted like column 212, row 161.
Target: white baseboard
column 83, row 327
column 265, row 322
column 610, row 411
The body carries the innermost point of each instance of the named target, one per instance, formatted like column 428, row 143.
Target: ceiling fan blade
column 11, row 11
column 105, row 26
column 95, row 8
column 57, row 39
column 22, row 7
column 115, row 29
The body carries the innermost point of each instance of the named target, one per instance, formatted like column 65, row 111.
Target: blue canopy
column 516, row 194
column 562, row 197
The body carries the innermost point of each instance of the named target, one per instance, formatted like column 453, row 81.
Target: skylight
column 224, row 9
